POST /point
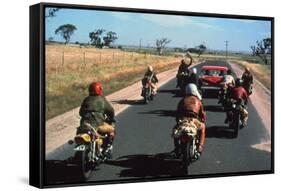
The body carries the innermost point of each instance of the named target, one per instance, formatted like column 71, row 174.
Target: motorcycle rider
column 183, row 68
column 96, row 112
column 193, row 77
column 247, row 79
column 191, row 108
column 150, row 76
column 240, row 95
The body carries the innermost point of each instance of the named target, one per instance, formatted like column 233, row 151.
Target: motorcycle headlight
column 233, row 105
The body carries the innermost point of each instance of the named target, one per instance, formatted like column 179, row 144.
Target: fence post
column 56, row 65
column 84, row 59
column 62, row 59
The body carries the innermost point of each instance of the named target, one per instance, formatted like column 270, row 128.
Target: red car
column 211, row 77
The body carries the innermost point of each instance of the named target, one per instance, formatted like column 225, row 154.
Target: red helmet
column 95, row 88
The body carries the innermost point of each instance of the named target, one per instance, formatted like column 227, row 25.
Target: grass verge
column 67, row 84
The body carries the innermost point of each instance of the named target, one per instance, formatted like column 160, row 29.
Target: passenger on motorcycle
column 247, row 79
column 191, row 108
column 240, row 95
column 184, row 68
column 96, row 112
column 150, row 77
column 227, row 84
column 228, row 79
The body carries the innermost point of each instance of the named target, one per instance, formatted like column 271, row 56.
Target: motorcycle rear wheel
column 85, row 166
column 186, row 157
column 236, row 124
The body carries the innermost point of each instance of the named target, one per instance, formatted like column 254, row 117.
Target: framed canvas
column 123, row 95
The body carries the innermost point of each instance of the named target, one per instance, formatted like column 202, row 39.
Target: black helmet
column 229, row 72
column 238, row 82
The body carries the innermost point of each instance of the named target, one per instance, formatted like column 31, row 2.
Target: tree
column 262, row 49
column 198, row 49
column 201, row 49
column 66, row 31
column 160, row 44
column 95, row 37
column 50, row 39
column 109, row 38
column 51, row 12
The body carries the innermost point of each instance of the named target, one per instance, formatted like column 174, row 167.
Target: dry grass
column 260, row 72
column 67, row 81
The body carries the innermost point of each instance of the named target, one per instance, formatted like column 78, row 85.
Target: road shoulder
column 261, row 99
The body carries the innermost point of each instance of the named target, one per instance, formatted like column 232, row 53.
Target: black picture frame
column 37, row 92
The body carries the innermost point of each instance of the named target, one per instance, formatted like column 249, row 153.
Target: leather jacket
column 191, row 106
column 247, row 78
column 239, row 93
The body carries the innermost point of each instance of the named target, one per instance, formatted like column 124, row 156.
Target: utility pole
column 140, row 45
column 226, row 48
column 184, row 48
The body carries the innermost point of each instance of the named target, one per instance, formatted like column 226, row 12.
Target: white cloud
column 247, row 21
column 122, row 16
column 266, row 34
column 208, row 26
column 178, row 21
column 166, row 20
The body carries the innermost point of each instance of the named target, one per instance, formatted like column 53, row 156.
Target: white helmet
column 194, row 70
column 191, row 89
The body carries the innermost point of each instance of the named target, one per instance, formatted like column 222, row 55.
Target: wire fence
column 81, row 60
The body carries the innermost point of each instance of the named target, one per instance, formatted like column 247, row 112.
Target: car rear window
column 213, row 72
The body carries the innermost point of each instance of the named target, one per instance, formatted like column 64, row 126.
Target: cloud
column 122, row 16
column 208, row 26
column 265, row 34
column 179, row 21
column 247, row 21
column 166, row 20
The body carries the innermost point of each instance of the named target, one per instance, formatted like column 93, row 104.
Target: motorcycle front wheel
column 147, row 95
column 84, row 164
column 186, row 157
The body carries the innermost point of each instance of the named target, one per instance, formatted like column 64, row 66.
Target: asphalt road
column 143, row 144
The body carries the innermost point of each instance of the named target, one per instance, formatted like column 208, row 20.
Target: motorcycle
column 248, row 88
column 90, row 147
column 188, row 140
column 235, row 117
column 147, row 92
column 182, row 80
column 222, row 96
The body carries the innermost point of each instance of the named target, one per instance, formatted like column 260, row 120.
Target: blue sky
column 184, row 31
